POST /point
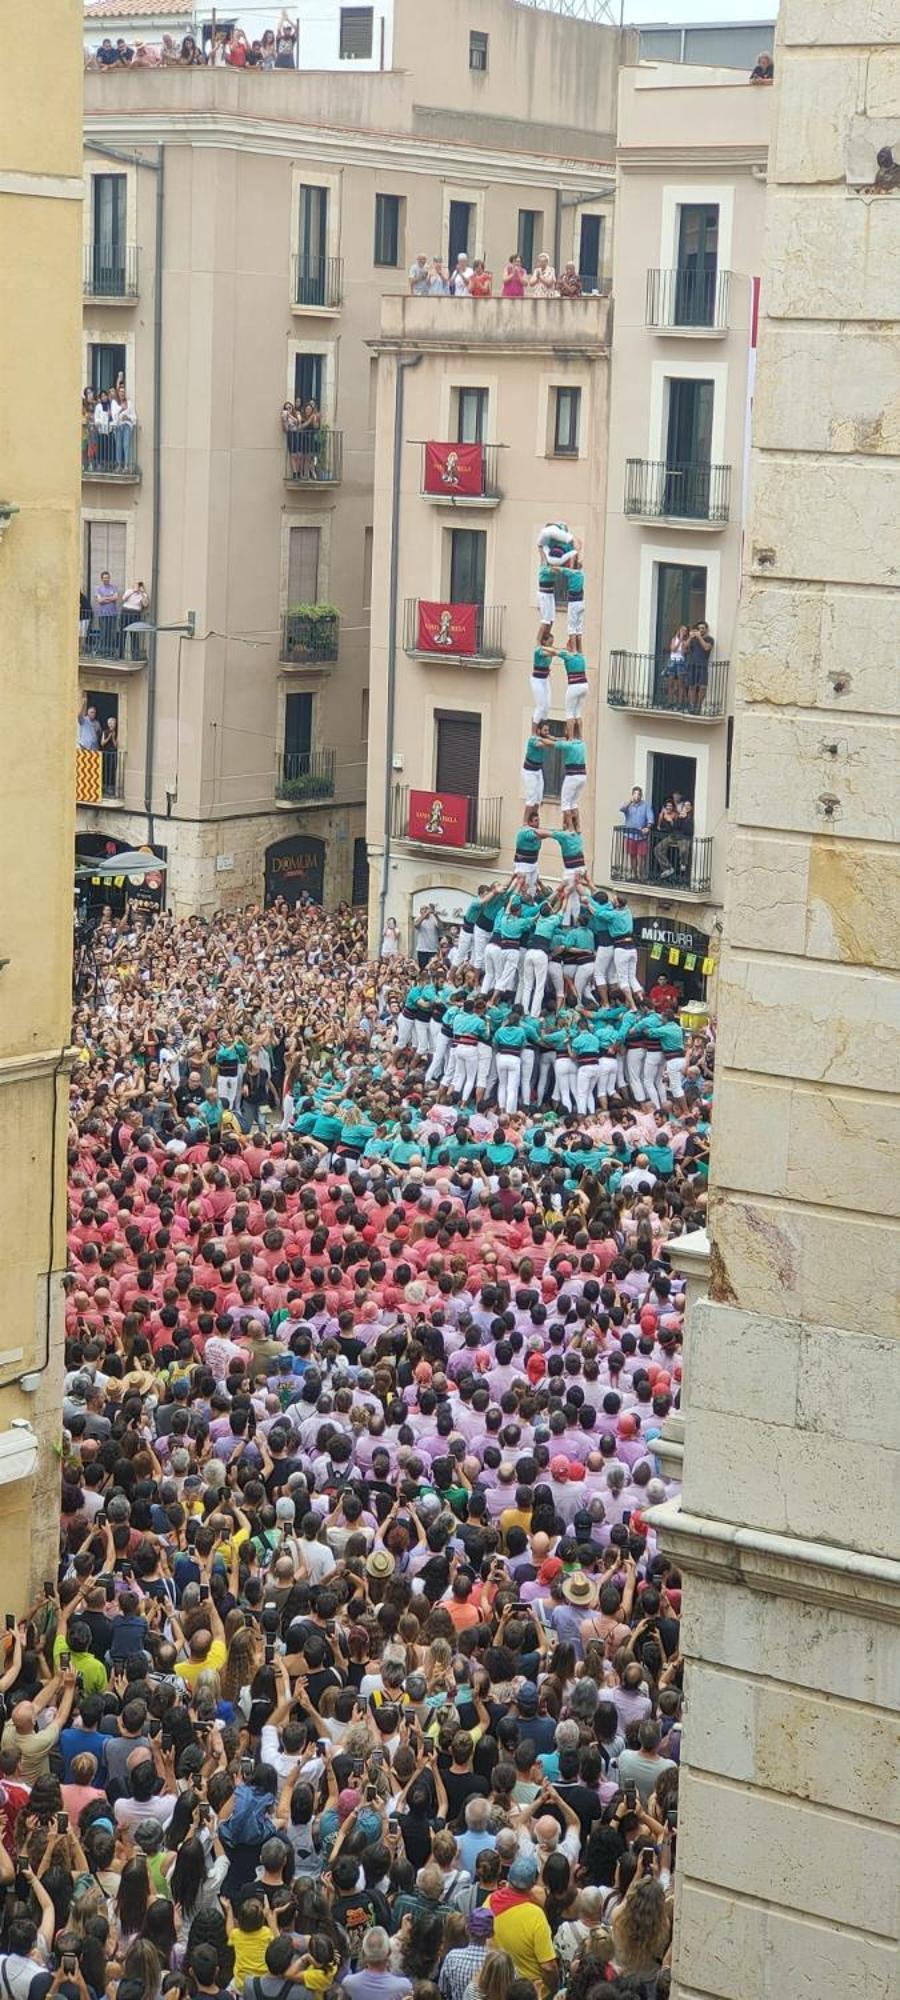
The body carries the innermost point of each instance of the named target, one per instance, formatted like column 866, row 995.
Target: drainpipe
column 403, row 362
column 156, row 167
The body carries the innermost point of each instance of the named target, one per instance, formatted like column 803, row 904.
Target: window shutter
column 356, row 32
column 459, row 755
column 105, row 550
column 303, row 566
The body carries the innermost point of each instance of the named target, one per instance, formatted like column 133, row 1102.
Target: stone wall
column 787, row 1529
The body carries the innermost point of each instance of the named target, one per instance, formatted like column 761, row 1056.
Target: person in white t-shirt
column 459, row 277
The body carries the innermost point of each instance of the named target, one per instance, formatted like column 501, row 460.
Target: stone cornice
column 553, row 350
column 652, row 159
column 27, row 1069
column 812, row 1572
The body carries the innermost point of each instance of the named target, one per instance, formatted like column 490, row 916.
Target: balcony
column 112, row 640
column 111, row 273
column 310, row 636
column 110, row 456
column 99, row 777
column 580, row 329
column 321, row 777
column 314, row 458
column 461, row 475
column 478, row 831
column 455, row 635
column 693, row 495
column 642, row 682
column 688, row 302
column 676, row 864
column 317, row 283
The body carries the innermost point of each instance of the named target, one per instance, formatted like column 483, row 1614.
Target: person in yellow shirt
column 250, row 1938
column 521, row 1928
column 206, row 1648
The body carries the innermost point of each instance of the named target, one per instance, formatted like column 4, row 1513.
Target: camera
column 269, row 1619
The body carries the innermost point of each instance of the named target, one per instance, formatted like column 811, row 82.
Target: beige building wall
column 521, row 352
column 788, row 1526
column 688, row 138
column 236, row 149
column 40, row 167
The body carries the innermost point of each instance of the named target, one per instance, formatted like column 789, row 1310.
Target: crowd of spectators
column 225, row 48
column 360, row 1672
column 429, row 277
column 108, row 431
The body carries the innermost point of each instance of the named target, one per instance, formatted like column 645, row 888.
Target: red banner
column 447, row 628
column 438, row 817
column 454, row 468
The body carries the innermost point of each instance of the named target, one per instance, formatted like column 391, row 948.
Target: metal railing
column 641, row 680
column 109, row 454
column 483, row 820
column 490, row 478
column 308, row 639
column 317, row 281
column 656, row 489
column 688, row 299
column 305, row 777
column 314, row 457
column 110, row 272
column 112, row 777
column 109, row 638
column 663, row 858
column 488, row 634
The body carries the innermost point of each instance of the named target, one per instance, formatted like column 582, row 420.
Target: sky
column 683, row 13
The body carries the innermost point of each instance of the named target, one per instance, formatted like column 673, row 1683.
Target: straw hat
column 580, row 1591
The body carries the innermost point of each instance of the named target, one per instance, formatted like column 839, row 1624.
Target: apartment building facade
column 240, row 230
column 690, row 192
column 491, row 422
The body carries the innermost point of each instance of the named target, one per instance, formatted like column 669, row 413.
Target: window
column 468, row 557
column 567, row 423
column 698, row 254
column 312, row 246
column 528, row 241
column 668, row 775
column 590, row 252
column 109, row 193
column 367, row 569
column 680, row 600
column 359, row 894
column 458, row 244
column 364, row 716
column 357, row 25
column 298, row 714
column 554, row 768
column 303, row 566
column 309, row 378
column 471, row 415
column 478, row 50
column 105, row 362
column 458, row 754
column 387, row 229
column 104, row 548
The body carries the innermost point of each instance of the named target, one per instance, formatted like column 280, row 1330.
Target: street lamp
column 187, row 627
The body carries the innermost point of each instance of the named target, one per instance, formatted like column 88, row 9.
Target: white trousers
column 466, row 1070
column 556, row 976
column 576, row 696
column 480, row 942
column 572, row 787
column 653, row 1063
column 585, row 1087
column 625, row 962
column 534, row 978
column 423, row 1038
column 603, row 963
column 582, row 978
column 405, row 1032
column 634, row 1073
column 486, row 1069
column 493, row 960
column 509, row 968
column 462, row 950
column 438, row 1061
column 509, row 1076
column 675, row 1075
column 563, row 1089
column 540, row 695
column 606, row 1076
column 527, row 1061
column 545, row 1075
column 532, row 787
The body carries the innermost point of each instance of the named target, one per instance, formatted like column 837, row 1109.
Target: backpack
column 250, row 1822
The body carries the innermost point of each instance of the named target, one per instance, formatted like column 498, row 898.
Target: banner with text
column 438, row 817
column 447, row 628
column 454, row 468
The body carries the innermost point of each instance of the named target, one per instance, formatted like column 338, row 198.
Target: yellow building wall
column 40, row 327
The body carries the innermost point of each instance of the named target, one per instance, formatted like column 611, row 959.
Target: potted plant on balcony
column 308, row 785
column 310, row 633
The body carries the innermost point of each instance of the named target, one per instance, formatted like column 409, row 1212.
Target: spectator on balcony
column 255, row 56
column 675, row 669
column 418, row 277
column 542, row 282
column 438, row 281
column 190, row 54
column 88, row 727
column 285, row 44
column 697, row 657
column 124, row 53
column 146, row 56
column 461, row 277
column 674, row 836
column 638, row 817
column 88, row 432
column 764, row 71
column 107, row 598
column 102, row 423
column 290, row 424
column 107, row 55
column 109, row 747
column 84, row 616
column 310, row 439
column 428, row 935
column 390, row 942
column 124, row 425
column 219, row 56
column 514, row 277
column 135, row 605
column 570, row 282
column 481, row 282
column 269, row 50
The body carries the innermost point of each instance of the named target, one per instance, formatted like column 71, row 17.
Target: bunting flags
column 674, row 956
